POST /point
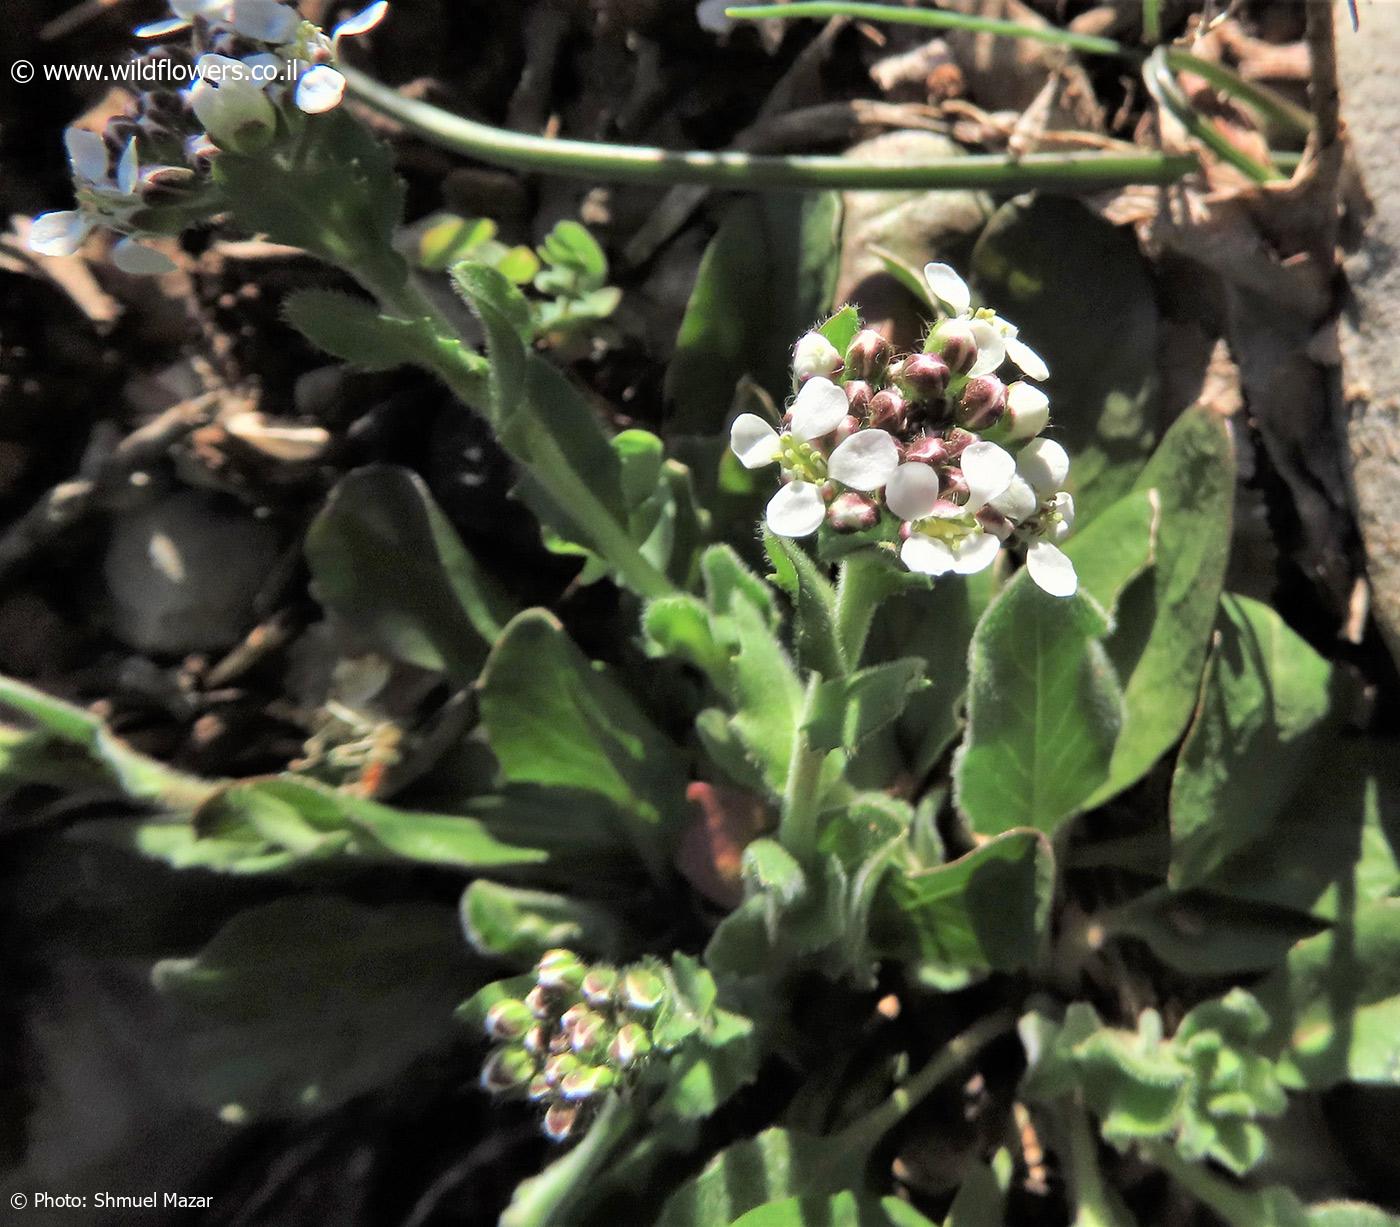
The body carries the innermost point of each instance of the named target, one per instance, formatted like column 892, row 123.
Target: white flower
column 1027, row 410
column 865, row 461
column 912, row 491
column 973, row 552
column 797, row 510
column 997, row 338
column 1051, row 569
column 87, row 155
column 320, row 89
column 1045, row 465
column 815, row 355
column 232, row 106
column 988, row 470
column 136, row 258
column 1061, row 515
column 59, row 234
column 264, row 21
column 361, row 23
column 1017, row 502
column 818, row 410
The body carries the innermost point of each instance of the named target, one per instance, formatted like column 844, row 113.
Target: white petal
column 87, row 154
column 988, row 470
column 363, row 21
column 1045, row 464
column 753, row 441
column 975, row 552
column 991, row 347
column 948, row 287
column 232, row 107
column 159, row 29
column 265, row 21
column 59, row 234
column 865, row 461
column 1017, row 502
column 1064, row 508
column 819, row 409
column 1051, row 569
column 796, row 510
column 320, row 90
column 1030, row 362
column 1027, row 410
column 129, row 169
column 190, row 9
column 927, row 556
column 139, row 260
column 815, row 355
column 912, row 492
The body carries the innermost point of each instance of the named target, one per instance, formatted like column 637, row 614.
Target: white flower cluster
column 250, row 62
column 934, row 441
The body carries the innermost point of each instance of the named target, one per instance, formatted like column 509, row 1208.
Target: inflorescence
column 255, row 70
column 934, row 440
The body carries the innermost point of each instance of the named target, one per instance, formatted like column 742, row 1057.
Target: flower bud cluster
column 253, row 69
column 580, row 1032
column 934, row 442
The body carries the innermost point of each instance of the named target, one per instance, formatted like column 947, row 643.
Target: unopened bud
column 1027, row 410
column 560, row 1066
column 539, row 1089
column 858, row 394
column 954, row 486
column 954, row 342
column 815, row 355
column 539, row 1002
column 643, row 989
column 888, row 411
column 560, row 1119
column 983, row 402
column 927, row 449
column 560, row 970
column 924, row 378
column 852, row 512
column 598, row 986
column 507, row 1069
column 508, row 1020
column 587, row 1082
column 868, row 356
column 589, row 1036
column 994, row 522
column 845, row 428
column 536, row 1041
column 231, row 106
column 629, row 1046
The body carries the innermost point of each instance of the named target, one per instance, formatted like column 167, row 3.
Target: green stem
column 1236, row 1206
column 1086, row 172
column 936, row 19
column 797, row 829
column 546, row 1199
column 866, row 1132
column 1151, row 21
column 1094, row 1203
column 1264, row 100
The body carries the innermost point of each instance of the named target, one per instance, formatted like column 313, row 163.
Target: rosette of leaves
column 1205, row 1089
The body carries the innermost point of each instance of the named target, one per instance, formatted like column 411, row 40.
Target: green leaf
column 1029, row 264
column 388, row 563
column 785, row 242
column 300, row 1005
column 505, row 318
column 517, row 925
column 986, row 911
column 815, row 638
column 847, row 710
column 1336, row 1002
column 840, row 329
column 446, row 239
column 569, row 246
column 841, row 1210
column 353, row 330
column 1264, row 707
column 1165, row 620
column 980, row 1202
column 1044, row 710
column 552, row 718
column 1116, row 547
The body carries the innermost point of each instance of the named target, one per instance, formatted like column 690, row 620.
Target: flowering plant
column 859, row 827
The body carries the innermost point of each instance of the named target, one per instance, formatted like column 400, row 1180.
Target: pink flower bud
column 506, row 1069
column 508, row 1020
column 858, row 394
column 994, row 522
column 888, row 411
column 847, row 426
column 852, row 512
column 924, row 378
column 954, row 485
column 955, row 343
column 560, row 1119
column 868, row 356
column 927, row 449
column 983, row 402
column 957, row 441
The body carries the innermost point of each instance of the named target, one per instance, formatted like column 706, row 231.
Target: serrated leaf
column 1262, row 712
column 388, row 563
column 1044, row 711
